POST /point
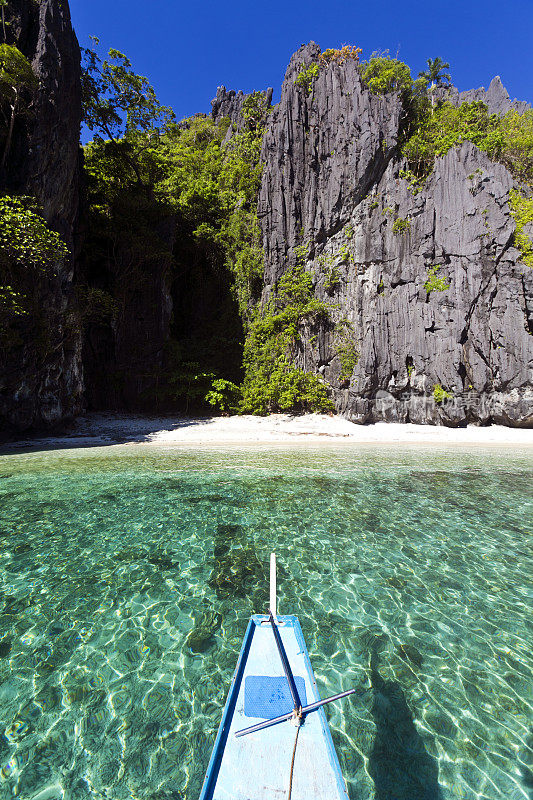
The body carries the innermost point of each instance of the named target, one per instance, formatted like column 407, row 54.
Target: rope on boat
column 299, row 721
column 292, row 762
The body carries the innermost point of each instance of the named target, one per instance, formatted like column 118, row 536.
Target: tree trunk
column 7, row 147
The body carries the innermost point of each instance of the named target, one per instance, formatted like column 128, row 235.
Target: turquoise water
column 127, row 576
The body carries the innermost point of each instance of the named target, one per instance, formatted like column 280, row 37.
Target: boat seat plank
column 266, row 697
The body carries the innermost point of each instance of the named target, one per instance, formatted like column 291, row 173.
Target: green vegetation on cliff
column 272, row 382
column 383, row 74
column 17, row 84
column 30, row 254
column 447, row 126
column 507, row 139
column 432, row 125
column 434, row 282
column 209, row 189
column 173, row 206
column 522, row 211
column 178, row 201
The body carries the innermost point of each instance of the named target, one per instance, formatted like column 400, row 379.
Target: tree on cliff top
column 436, row 76
column 121, row 106
column 3, row 6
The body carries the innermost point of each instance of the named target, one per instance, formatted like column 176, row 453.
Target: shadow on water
column 526, row 765
column 398, row 764
column 237, row 573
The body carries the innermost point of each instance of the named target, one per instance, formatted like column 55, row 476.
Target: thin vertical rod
column 273, row 598
column 286, row 667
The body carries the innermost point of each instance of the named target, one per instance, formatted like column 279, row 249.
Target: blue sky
column 187, row 49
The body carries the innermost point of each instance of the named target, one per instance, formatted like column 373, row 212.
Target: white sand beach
column 107, row 429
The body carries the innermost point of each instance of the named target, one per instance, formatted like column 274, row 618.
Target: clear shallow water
column 127, row 576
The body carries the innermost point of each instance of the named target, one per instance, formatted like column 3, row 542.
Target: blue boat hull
column 257, row 766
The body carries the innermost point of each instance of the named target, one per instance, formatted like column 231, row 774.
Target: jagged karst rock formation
column 332, row 182
column 322, row 153
column 335, row 197
column 39, row 388
column 496, row 98
column 229, row 104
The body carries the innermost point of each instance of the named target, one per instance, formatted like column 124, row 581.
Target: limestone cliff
column 430, row 308
column 332, row 183
column 41, row 385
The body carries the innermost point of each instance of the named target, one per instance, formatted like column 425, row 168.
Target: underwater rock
column 373, row 638
column 128, row 555
column 5, row 647
column 237, row 569
column 49, row 698
column 200, row 638
column 396, row 582
column 209, row 498
column 159, row 558
column 409, row 653
column 13, row 607
column 18, row 729
column 22, row 548
column 162, row 561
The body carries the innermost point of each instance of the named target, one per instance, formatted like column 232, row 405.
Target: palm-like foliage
column 435, row 75
column 435, row 72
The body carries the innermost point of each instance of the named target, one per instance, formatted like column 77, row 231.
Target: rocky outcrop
column 229, row 104
column 449, row 349
column 430, row 310
column 496, row 98
column 323, row 151
column 43, row 386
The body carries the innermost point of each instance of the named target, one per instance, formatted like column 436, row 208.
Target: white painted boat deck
column 257, row 766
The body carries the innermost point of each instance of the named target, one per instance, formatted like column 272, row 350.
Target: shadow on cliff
column 98, row 430
column 398, row 764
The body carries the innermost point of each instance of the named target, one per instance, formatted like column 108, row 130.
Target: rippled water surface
column 127, row 576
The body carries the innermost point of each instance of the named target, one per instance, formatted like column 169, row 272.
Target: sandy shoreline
column 107, row 429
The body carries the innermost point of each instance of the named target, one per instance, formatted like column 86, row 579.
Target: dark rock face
column 122, row 359
column 44, row 162
column 332, row 181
